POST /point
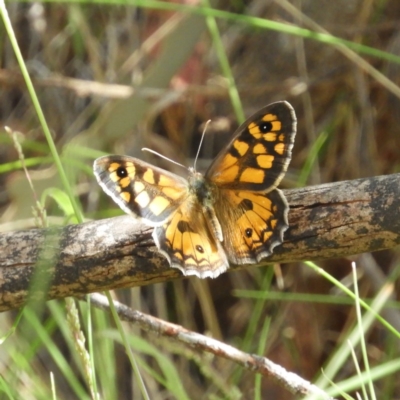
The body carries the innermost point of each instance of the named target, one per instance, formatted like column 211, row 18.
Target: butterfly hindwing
column 254, row 224
column 139, row 188
column 258, row 156
column 189, row 245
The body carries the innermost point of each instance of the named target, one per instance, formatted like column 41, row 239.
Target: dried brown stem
column 292, row 382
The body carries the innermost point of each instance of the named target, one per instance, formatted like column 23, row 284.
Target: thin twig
column 292, row 382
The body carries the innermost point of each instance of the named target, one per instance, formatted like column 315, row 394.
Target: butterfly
column 234, row 213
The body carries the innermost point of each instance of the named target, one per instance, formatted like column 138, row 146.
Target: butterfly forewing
column 258, row 156
column 141, row 189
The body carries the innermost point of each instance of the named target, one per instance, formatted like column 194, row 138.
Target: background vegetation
column 113, row 77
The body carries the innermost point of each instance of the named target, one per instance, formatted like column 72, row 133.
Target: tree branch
column 326, row 221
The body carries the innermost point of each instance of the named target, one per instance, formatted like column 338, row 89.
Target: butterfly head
column 199, row 187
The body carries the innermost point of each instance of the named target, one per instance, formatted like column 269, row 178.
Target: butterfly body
column 231, row 214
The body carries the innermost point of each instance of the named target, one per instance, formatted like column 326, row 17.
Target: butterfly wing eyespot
column 121, row 172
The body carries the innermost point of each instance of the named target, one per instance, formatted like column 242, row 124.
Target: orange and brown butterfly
column 232, row 214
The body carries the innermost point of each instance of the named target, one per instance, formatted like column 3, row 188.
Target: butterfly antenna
column 165, row 158
column 201, row 142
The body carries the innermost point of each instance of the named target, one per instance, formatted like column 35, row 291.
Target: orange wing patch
column 252, row 175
